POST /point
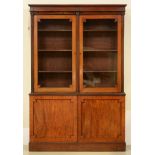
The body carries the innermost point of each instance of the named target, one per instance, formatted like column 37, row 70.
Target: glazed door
column 54, row 53
column 100, row 53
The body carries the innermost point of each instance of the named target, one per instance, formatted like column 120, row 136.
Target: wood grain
column 108, row 8
column 101, row 119
column 97, row 147
column 67, row 41
column 53, row 119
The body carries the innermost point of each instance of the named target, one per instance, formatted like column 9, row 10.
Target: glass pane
column 100, row 53
column 55, row 53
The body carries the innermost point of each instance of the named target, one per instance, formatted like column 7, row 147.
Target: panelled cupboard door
column 100, row 53
column 54, row 53
column 53, row 118
column 101, row 119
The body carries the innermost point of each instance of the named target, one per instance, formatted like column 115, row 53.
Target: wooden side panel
column 53, row 119
column 101, row 119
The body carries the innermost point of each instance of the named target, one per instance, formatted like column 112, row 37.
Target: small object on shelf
column 92, row 83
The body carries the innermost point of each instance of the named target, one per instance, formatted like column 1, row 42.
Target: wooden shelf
column 69, row 30
column 71, row 71
column 100, row 30
column 100, row 71
column 55, row 71
column 98, row 50
column 69, row 50
column 52, row 50
column 54, row 30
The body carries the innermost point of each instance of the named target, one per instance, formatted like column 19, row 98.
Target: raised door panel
column 53, row 118
column 101, row 119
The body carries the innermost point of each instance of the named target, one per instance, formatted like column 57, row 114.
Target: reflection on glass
column 55, row 53
column 99, row 79
column 100, row 53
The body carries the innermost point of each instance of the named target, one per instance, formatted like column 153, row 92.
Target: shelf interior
column 55, row 53
column 101, row 25
column 55, row 80
column 55, row 25
column 94, row 61
column 100, row 41
column 55, row 69
column 55, row 41
column 100, row 53
column 55, row 61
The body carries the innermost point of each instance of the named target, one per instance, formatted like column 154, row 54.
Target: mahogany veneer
column 77, row 99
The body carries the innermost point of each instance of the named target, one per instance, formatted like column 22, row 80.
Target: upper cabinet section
column 77, row 48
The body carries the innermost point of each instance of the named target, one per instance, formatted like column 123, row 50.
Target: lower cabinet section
column 81, row 122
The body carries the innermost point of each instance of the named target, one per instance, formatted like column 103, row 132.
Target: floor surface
column 26, row 152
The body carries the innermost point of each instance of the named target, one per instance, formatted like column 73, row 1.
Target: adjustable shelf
column 99, row 50
column 54, row 50
column 100, row 71
column 55, row 71
column 100, row 30
column 54, row 30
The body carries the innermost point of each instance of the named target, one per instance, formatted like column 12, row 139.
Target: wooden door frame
column 117, row 88
column 72, row 18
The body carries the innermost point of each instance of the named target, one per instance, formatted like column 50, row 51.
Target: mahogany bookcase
column 77, row 99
